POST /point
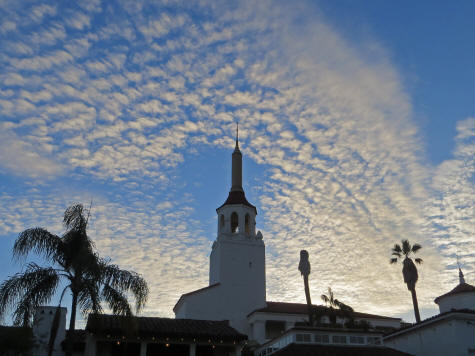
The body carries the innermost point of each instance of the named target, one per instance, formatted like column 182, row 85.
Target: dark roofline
column 332, row 349
column 106, row 325
column 237, row 197
column 459, row 289
column 304, row 310
column 428, row 321
column 195, row 292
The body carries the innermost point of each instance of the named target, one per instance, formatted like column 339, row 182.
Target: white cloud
column 344, row 174
column 23, row 158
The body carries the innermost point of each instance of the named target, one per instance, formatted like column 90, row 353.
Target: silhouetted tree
column 304, row 268
column 90, row 278
column 409, row 270
column 333, row 303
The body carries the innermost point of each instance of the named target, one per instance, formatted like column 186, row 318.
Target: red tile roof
column 461, row 288
column 115, row 325
column 334, row 350
column 299, row 308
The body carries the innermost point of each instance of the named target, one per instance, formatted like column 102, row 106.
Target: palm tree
column 73, row 259
column 304, row 268
column 409, row 270
column 331, row 302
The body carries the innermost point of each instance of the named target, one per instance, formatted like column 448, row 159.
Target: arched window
column 234, row 222
column 247, row 224
column 221, row 221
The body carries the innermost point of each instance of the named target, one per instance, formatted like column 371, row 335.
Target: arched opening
column 234, row 222
column 221, row 221
column 247, row 224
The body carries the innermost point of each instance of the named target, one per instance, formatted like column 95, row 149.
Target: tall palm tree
column 73, row 259
column 304, row 268
column 409, row 270
column 331, row 302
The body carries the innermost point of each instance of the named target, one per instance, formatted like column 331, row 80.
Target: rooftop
column 431, row 320
column 334, row 350
column 114, row 325
column 461, row 288
column 300, row 308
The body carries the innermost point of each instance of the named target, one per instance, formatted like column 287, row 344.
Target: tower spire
column 237, row 135
column 461, row 279
column 236, row 174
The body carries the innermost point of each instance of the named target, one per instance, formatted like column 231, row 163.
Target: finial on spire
column 237, row 135
column 461, row 279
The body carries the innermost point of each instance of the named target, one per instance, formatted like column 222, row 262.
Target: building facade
column 451, row 332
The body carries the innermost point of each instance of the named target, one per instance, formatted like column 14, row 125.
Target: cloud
column 22, row 158
column 342, row 169
column 451, row 215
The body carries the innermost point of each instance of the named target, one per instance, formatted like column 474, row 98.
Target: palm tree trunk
column 309, row 301
column 416, row 306
column 72, row 326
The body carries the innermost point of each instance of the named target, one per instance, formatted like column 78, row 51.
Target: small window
column 339, row 339
column 247, row 224
column 357, row 340
column 234, row 223
column 324, row 339
column 302, row 337
column 221, row 221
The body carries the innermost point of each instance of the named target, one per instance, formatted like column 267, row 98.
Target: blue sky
column 357, row 128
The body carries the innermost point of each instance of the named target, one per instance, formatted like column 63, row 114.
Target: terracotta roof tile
column 115, row 325
column 299, row 308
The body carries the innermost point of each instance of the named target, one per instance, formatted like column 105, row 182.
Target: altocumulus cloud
column 119, row 94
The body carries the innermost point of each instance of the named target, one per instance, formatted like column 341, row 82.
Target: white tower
column 237, row 281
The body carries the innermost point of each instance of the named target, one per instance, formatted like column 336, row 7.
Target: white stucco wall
column 237, row 263
column 457, row 301
column 258, row 322
column 42, row 323
column 454, row 336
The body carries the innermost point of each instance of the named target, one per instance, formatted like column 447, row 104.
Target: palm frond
column 345, row 307
column 415, row 248
column 397, row 249
column 324, row 298
column 74, row 218
column 27, row 291
column 89, row 298
column 125, row 281
column 37, row 240
column 393, row 260
column 398, row 254
column 418, row 260
column 406, row 247
column 116, row 301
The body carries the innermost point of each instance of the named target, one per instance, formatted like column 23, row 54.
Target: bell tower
column 237, row 258
column 237, row 275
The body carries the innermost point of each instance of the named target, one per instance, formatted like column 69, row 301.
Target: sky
column 357, row 128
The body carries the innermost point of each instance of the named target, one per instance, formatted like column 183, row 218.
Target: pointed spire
column 236, row 148
column 461, row 279
column 236, row 181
